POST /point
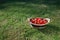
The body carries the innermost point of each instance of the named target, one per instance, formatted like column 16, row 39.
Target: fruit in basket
column 38, row 21
column 32, row 20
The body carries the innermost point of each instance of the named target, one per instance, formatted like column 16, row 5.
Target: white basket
column 39, row 24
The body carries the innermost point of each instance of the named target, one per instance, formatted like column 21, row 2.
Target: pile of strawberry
column 38, row 21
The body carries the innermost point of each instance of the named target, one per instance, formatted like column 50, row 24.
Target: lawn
column 14, row 24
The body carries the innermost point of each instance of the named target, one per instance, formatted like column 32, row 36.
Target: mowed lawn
column 14, row 24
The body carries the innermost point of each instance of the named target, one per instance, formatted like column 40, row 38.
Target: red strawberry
column 40, row 22
column 45, row 21
column 37, row 22
column 38, row 18
column 32, row 20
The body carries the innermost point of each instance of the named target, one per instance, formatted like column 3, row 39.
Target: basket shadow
column 51, row 29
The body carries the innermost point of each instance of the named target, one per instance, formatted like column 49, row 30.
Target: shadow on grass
column 51, row 29
column 34, row 1
column 2, row 7
column 47, row 2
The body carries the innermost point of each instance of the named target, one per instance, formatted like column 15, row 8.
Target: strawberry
column 32, row 20
column 46, row 21
column 41, row 22
column 38, row 18
column 38, row 21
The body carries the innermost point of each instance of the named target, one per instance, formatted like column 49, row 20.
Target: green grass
column 14, row 25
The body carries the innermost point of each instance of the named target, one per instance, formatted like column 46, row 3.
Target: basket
column 40, row 26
